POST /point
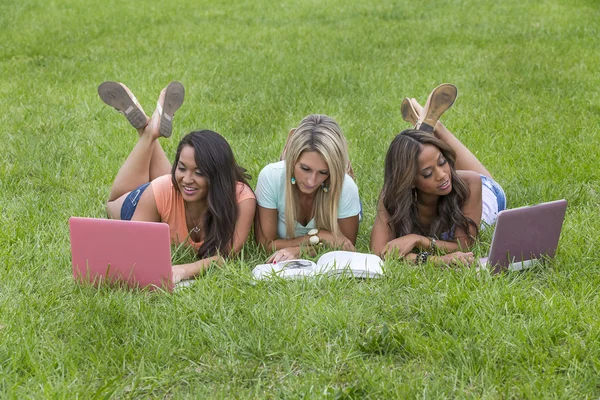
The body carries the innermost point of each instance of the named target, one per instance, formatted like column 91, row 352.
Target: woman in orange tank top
column 204, row 196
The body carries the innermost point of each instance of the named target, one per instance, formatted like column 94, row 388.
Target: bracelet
column 422, row 257
column 432, row 245
column 313, row 238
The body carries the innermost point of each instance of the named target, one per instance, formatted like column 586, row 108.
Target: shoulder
column 162, row 183
column 349, row 202
column 349, row 187
column 273, row 170
column 243, row 192
column 271, row 177
column 471, row 178
column 166, row 195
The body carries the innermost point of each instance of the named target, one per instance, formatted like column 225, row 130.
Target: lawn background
column 528, row 107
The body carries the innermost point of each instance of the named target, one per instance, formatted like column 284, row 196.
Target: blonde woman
column 308, row 198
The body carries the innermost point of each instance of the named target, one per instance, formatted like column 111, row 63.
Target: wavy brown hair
column 400, row 174
column 214, row 158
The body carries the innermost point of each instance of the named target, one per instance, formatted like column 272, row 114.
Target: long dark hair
column 214, row 158
column 398, row 194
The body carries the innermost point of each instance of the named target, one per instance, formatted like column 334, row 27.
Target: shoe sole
column 442, row 99
column 174, row 96
column 409, row 114
column 115, row 95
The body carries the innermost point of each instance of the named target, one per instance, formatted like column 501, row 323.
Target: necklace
column 196, row 228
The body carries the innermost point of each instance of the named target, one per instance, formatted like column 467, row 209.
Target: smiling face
column 310, row 171
column 190, row 181
column 433, row 175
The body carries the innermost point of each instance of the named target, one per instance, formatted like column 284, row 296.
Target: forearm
column 325, row 237
column 191, row 270
column 437, row 261
column 278, row 244
column 425, row 243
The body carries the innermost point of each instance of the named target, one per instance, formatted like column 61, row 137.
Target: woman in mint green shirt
column 308, row 198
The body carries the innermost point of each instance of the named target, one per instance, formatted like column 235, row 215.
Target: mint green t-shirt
column 270, row 193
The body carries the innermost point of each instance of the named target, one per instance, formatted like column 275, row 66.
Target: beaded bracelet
column 422, row 257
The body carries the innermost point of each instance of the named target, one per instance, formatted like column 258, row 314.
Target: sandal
column 116, row 95
column 409, row 114
column 440, row 99
column 174, row 95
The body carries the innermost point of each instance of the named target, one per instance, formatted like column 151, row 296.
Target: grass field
column 528, row 107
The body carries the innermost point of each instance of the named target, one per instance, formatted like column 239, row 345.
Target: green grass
column 528, row 106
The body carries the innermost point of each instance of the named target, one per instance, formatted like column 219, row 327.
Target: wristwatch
column 313, row 238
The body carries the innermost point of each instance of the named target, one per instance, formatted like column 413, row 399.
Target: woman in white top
column 308, row 198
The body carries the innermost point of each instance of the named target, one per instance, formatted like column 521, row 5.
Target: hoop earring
column 293, row 180
column 414, row 196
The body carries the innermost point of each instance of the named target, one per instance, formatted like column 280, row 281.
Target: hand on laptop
column 458, row 258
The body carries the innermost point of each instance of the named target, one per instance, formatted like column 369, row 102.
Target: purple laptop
column 525, row 234
column 137, row 253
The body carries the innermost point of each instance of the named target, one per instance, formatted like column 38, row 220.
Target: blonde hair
column 322, row 134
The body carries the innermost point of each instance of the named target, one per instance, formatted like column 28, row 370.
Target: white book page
column 360, row 264
column 285, row 269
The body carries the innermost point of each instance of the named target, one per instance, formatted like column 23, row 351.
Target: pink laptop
column 525, row 234
column 137, row 253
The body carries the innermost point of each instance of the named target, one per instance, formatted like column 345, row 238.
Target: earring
column 325, row 188
column 293, row 180
column 414, row 192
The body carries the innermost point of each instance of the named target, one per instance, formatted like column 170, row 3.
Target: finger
column 272, row 258
column 278, row 257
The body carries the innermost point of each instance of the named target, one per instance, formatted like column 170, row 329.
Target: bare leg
column 146, row 162
column 465, row 160
column 135, row 171
column 159, row 163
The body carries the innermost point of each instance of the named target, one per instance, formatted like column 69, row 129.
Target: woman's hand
column 289, row 253
column 457, row 259
column 339, row 241
column 178, row 273
column 401, row 246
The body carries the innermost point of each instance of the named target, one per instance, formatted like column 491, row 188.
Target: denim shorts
column 131, row 202
column 496, row 189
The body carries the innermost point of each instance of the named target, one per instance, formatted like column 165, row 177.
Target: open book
column 346, row 263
